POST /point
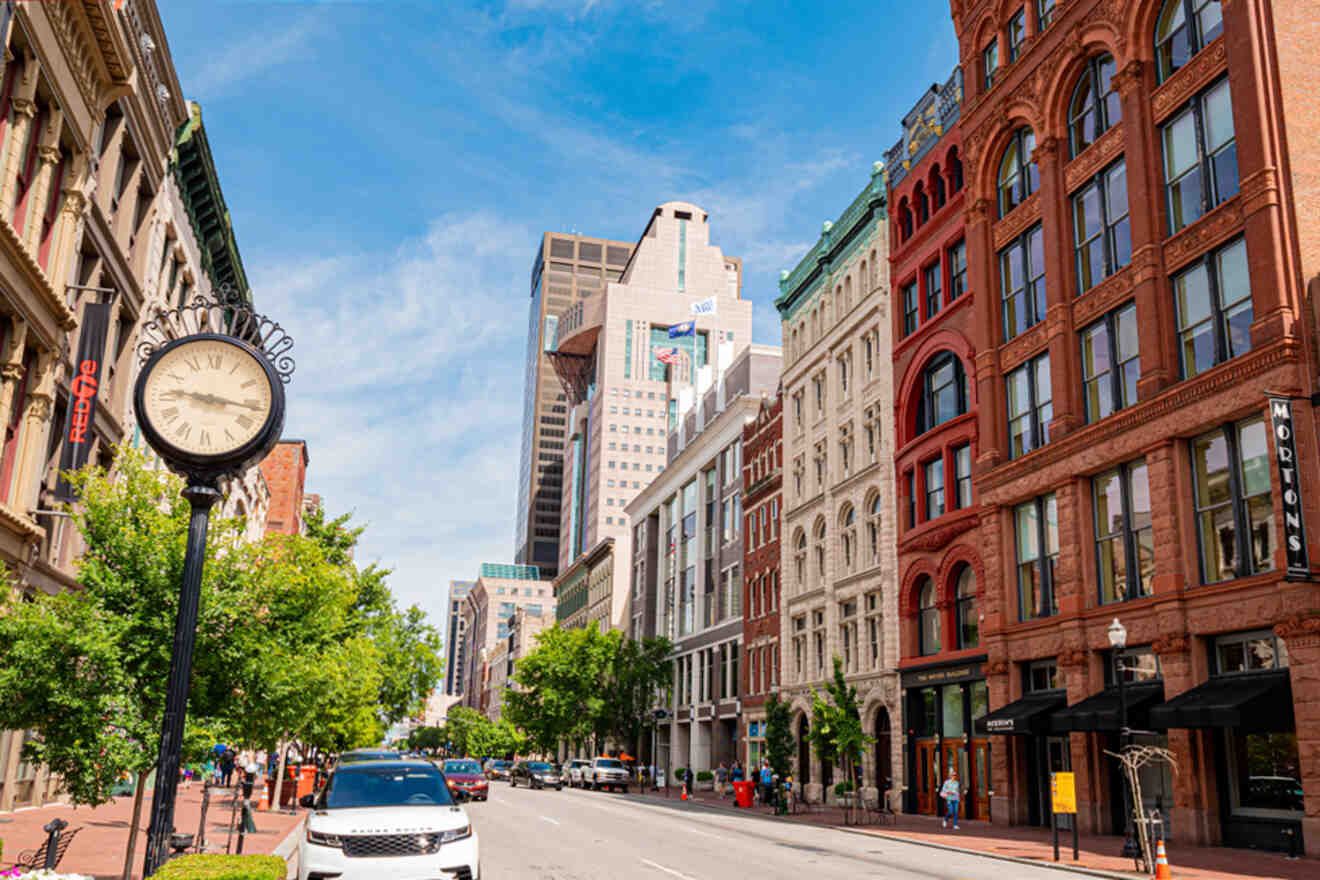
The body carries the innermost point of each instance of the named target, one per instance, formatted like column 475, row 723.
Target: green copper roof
column 837, row 240
column 194, row 170
column 510, row 572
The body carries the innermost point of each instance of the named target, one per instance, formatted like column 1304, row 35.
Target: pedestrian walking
column 767, row 782
column 655, row 782
column 721, row 779
column 951, row 791
column 227, row 767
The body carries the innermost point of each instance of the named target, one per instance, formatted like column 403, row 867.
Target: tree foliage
column 836, row 724
column 779, row 742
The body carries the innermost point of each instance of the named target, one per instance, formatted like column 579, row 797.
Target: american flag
column 666, row 355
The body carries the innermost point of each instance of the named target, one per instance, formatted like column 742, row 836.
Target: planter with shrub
column 223, row 867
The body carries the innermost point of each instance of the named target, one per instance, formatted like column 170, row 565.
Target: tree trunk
column 283, row 746
column 139, row 789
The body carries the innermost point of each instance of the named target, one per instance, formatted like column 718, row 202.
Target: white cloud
column 409, row 393
column 233, row 64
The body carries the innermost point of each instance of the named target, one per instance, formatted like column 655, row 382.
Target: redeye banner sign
column 82, row 395
column 704, row 307
column 1285, row 453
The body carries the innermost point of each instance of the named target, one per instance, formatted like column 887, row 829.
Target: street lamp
column 1117, row 633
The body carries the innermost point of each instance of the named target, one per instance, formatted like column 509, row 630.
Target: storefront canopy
column 1027, row 715
column 1256, row 701
column 1104, row 711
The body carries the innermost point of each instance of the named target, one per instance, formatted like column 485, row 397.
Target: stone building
column 584, row 593
column 839, row 575
column 90, row 110
column 623, row 401
column 762, row 492
column 1140, row 232
column 489, row 607
column 944, row 691
column 687, row 562
column 456, row 640
column 285, row 470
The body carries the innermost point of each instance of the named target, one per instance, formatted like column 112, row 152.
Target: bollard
column 1291, row 834
column 53, row 830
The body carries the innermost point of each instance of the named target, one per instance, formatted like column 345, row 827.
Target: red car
column 464, row 774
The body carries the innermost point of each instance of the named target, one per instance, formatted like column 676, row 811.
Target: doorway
column 927, row 776
column 978, row 794
column 884, row 752
column 804, row 751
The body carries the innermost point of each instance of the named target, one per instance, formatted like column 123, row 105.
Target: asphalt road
column 584, row 835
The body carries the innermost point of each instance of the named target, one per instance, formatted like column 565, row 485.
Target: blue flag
column 687, row 328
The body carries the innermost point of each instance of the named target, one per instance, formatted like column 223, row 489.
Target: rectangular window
column 1234, row 510
column 682, row 254
column 912, row 499
column 1213, row 300
column 1200, row 156
column 1022, row 282
column 627, row 349
column 1124, row 541
column 1110, row 363
column 990, row 63
column 1102, row 234
column 1017, row 34
column 1044, row 14
column 1036, row 524
column 1042, row 675
column 962, row 476
column 934, row 293
column 843, row 374
column 1030, row 406
column 957, row 271
column 1258, row 651
column 911, row 309
column 934, row 480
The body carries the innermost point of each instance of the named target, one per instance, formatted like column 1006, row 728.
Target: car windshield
column 503, row 765
column 387, row 787
column 539, row 767
column 462, row 767
column 610, row 763
column 358, row 757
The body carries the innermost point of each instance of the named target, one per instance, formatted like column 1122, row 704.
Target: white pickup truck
column 574, row 770
column 607, row 773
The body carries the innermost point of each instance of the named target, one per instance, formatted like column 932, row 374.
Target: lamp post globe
column 1117, row 635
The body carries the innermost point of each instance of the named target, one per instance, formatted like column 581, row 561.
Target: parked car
column 607, row 773
column 574, row 770
column 464, row 774
column 498, row 769
column 535, row 774
column 387, row 818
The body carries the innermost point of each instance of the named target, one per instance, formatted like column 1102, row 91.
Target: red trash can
column 743, row 792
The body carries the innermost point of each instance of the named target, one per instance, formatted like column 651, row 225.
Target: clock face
column 207, row 398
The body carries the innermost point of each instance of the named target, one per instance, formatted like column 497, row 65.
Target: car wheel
column 625, row 789
column 559, row 788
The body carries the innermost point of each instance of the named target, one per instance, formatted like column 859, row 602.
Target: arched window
column 955, row 172
column 848, row 541
column 943, row 391
column 929, row 615
column 937, row 195
column 969, row 625
column 923, row 203
column 862, row 277
column 1018, row 175
column 1095, row 105
column 800, row 562
column 904, row 220
column 1184, row 28
column 820, row 551
column 847, row 294
column 873, row 525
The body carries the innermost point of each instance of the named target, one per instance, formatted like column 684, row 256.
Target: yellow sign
column 1063, row 791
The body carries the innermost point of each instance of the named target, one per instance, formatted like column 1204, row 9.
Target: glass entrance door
column 927, row 776
column 978, row 795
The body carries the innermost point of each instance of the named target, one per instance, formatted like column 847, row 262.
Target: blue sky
column 390, row 167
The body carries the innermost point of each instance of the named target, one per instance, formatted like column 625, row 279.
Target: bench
column 36, row 858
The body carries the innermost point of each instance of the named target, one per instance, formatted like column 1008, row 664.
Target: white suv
column 387, row 819
column 575, row 770
column 607, row 773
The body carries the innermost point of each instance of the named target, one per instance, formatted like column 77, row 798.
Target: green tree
column 459, row 725
column 779, row 742
column 637, row 673
column 561, row 687
column 836, row 725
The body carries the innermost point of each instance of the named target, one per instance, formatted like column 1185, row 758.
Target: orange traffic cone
column 1162, row 871
column 265, row 798
column 683, row 797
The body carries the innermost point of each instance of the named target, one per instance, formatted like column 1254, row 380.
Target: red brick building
column 939, row 562
column 763, row 477
column 285, row 470
column 1141, row 189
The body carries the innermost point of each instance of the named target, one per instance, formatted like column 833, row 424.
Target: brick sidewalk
column 1098, row 854
column 99, row 848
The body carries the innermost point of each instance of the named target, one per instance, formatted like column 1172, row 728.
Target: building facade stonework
column 838, row 566
column 1143, row 243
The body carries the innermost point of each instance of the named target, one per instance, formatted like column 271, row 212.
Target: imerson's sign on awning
column 78, row 434
column 1285, row 453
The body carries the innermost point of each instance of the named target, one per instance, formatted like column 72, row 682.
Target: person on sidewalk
column 721, row 778
column 951, row 791
column 735, row 775
column 767, row 783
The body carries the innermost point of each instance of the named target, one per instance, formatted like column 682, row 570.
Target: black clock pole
column 201, row 495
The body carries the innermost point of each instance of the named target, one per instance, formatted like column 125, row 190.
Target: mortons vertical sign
column 82, row 395
column 1285, row 453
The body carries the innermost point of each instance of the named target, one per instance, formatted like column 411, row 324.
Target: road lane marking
column 551, row 821
column 670, row 871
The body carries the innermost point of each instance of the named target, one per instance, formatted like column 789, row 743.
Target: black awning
column 1027, row 715
column 1104, row 711
column 1256, row 701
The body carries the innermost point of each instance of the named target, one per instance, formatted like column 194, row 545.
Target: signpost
column 1063, row 800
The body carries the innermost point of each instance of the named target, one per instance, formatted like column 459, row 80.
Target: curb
column 961, row 850
column 287, row 848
